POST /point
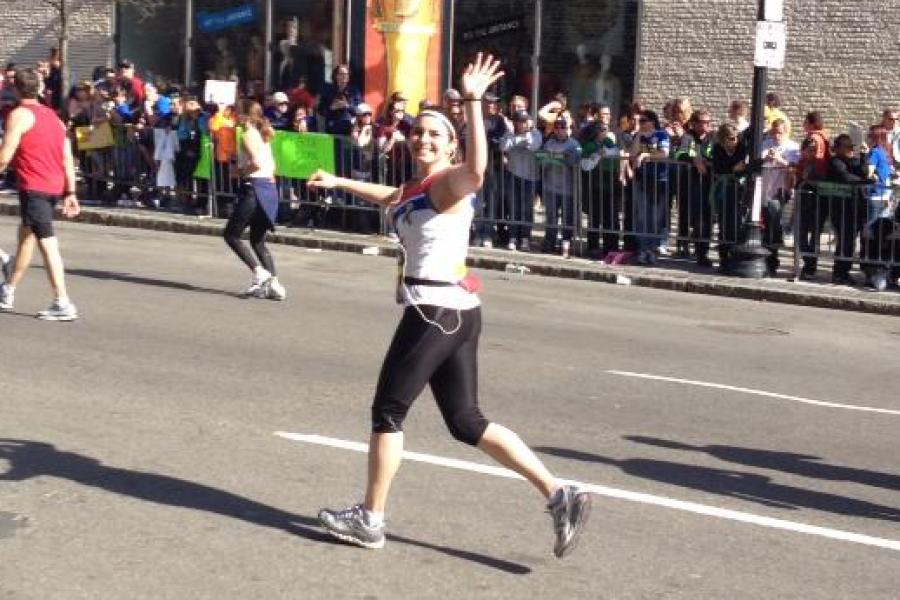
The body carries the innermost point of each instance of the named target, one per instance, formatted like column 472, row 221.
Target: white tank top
column 265, row 166
column 436, row 245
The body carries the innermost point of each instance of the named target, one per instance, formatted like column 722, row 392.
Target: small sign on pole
column 771, row 41
column 773, row 10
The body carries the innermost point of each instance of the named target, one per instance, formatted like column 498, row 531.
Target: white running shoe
column 257, row 289
column 274, row 290
column 7, row 297
column 59, row 311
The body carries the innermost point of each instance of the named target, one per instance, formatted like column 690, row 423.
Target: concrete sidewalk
column 670, row 274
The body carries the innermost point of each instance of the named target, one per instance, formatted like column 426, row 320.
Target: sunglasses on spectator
column 643, row 120
column 704, row 121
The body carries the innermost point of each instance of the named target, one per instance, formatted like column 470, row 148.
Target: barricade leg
column 773, row 237
column 551, row 220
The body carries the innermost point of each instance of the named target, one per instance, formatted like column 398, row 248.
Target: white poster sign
column 220, row 92
column 771, row 41
column 857, row 133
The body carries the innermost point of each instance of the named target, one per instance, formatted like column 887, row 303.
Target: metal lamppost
column 750, row 255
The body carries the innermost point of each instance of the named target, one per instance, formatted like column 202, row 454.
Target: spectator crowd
column 622, row 179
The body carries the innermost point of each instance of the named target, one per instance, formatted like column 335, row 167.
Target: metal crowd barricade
column 847, row 224
column 112, row 174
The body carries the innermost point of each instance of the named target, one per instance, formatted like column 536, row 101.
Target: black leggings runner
column 420, row 353
column 249, row 212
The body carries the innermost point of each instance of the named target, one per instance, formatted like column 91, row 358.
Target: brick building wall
column 30, row 29
column 842, row 57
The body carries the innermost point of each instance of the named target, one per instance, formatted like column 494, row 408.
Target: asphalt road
column 139, row 455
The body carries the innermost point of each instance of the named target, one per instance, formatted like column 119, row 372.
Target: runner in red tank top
column 36, row 140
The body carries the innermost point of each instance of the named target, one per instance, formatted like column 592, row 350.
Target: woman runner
column 257, row 205
column 437, row 339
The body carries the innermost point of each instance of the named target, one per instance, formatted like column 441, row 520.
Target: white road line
column 721, row 386
column 602, row 490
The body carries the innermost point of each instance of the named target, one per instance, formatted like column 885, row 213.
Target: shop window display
column 303, row 44
column 229, row 40
column 587, row 46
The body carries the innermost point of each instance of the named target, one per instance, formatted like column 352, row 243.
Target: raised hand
column 479, row 76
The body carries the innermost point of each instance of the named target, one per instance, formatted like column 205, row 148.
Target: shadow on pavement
column 29, row 459
column 127, row 278
column 787, row 462
column 736, row 484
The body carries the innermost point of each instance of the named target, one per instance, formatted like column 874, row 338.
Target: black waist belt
column 429, row 282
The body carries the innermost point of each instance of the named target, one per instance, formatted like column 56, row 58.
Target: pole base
column 749, row 258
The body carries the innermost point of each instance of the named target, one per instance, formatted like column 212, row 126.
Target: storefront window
column 587, row 46
column 589, row 49
column 304, row 44
column 503, row 28
column 154, row 40
column 229, row 40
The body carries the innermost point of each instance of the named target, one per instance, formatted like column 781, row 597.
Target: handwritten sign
column 299, row 155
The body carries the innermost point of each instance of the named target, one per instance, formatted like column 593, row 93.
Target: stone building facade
column 842, row 57
column 31, row 28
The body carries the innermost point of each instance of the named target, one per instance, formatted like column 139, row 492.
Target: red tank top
column 39, row 158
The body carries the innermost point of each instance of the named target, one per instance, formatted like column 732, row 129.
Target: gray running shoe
column 59, row 312
column 7, row 297
column 350, row 526
column 570, row 513
column 6, row 266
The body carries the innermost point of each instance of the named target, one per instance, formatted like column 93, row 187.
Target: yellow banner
column 94, row 137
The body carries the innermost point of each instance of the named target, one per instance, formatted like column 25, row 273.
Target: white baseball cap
column 363, row 109
column 279, row 98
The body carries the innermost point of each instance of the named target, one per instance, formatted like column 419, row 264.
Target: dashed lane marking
column 602, row 490
column 743, row 390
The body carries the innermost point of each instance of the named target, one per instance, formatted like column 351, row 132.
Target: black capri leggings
column 420, row 353
column 249, row 212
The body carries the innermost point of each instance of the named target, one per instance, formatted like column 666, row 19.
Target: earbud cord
column 416, row 306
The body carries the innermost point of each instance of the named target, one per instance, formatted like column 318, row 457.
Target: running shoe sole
column 583, row 500
column 352, row 540
column 57, row 317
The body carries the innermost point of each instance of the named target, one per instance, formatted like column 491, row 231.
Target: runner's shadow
column 137, row 279
column 736, row 484
column 787, row 462
column 29, row 459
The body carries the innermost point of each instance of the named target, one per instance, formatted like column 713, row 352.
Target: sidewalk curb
column 546, row 266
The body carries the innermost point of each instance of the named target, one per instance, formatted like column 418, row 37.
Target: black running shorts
column 37, row 212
